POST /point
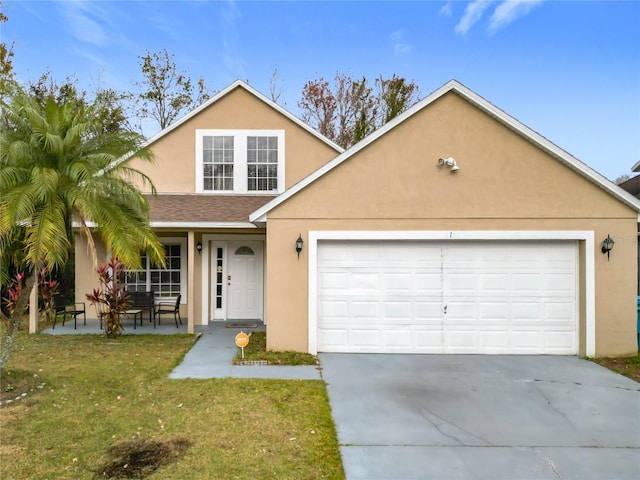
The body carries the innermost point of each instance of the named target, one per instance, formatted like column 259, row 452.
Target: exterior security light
column 199, row 247
column 449, row 162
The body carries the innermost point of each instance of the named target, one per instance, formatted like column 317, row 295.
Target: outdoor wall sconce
column 607, row 245
column 199, row 247
column 299, row 243
column 449, row 162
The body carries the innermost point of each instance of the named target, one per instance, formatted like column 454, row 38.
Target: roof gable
column 538, row 140
column 224, row 92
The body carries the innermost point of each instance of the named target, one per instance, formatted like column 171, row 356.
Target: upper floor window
column 240, row 161
column 217, row 159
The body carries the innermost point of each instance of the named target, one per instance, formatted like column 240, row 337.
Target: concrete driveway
column 405, row 417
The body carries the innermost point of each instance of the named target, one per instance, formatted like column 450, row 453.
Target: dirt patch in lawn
column 141, row 457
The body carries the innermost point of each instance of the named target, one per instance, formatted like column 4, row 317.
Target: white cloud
column 505, row 13
column 510, row 10
column 231, row 57
column 447, row 9
column 400, row 46
column 81, row 26
column 472, row 14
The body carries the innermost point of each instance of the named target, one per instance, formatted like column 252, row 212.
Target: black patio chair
column 169, row 307
column 60, row 308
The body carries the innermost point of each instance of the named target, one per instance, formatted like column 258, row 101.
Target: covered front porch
column 215, row 260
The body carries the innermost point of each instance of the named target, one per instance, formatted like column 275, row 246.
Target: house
column 452, row 229
column 632, row 185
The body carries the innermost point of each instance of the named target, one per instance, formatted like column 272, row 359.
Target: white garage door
column 456, row 297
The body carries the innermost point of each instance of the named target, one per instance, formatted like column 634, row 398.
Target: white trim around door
column 209, row 280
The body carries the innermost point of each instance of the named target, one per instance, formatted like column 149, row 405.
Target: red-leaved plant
column 17, row 283
column 47, row 290
column 110, row 299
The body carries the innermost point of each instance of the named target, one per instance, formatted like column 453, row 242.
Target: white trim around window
column 168, row 241
column 240, row 163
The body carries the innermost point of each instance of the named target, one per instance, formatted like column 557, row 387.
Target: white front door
column 244, row 281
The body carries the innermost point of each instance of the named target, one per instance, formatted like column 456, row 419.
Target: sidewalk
column 211, row 356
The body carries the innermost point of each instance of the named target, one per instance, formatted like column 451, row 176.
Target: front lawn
column 256, row 351
column 627, row 366
column 96, row 405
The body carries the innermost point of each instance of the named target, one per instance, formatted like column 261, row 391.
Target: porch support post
column 33, row 306
column 191, row 281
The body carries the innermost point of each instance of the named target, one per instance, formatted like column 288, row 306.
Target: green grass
column 257, row 351
column 100, row 392
column 627, row 366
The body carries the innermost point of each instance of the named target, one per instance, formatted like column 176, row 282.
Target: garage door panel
column 428, row 310
column 523, row 310
column 466, row 297
column 331, row 309
column 526, row 282
column 397, row 311
column 460, row 340
column 333, row 280
column 559, row 284
column 459, row 283
column 364, row 337
column 363, row 282
column 429, row 340
column 561, row 312
column 367, row 311
column 493, row 283
column 333, row 338
column 560, row 341
column 392, row 282
column 400, row 339
column 427, row 282
column 494, row 312
column 497, row 340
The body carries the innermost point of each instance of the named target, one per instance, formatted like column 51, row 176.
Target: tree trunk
column 15, row 319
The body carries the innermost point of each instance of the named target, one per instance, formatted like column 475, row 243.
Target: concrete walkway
column 211, row 357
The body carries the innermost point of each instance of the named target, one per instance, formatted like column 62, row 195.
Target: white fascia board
column 257, row 94
column 636, row 167
column 192, row 225
column 488, row 107
column 187, row 225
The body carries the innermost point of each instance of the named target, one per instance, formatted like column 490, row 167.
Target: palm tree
column 60, row 170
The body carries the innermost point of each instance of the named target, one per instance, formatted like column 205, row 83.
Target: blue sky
column 568, row 70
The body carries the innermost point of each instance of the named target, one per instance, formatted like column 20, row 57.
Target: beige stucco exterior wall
column 174, row 167
column 504, row 183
